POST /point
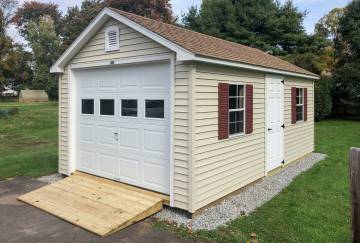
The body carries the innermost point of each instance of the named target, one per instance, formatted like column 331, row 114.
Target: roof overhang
column 181, row 53
column 252, row 67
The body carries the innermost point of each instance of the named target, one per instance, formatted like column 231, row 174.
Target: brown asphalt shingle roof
column 208, row 46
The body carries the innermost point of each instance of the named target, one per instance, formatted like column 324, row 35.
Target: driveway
column 20, row 222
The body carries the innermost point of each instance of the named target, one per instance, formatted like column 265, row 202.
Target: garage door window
column 87, row 106
column 107, row 107
column 129, row 108
column 154, row 108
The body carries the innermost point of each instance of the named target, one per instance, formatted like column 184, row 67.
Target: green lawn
column 28, row 140
column 314, row 208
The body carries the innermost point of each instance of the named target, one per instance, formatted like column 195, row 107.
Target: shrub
column 14, row 111
column 323, row 100
column 4, row 113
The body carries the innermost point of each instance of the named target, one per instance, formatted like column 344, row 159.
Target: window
column 129, row 108
column 107, row 107
column 299, row 104
column 87, row 106
column 236, row 109
column 112, row 39
column 154, row 108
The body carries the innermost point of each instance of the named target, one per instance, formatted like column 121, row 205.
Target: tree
column 346, row 88
column 15, row 71
column 264, row 24
column 32, row 12
column 328, row 25
column 6, row 10
column 14, row 61
column 76, row 19
column 46, row 47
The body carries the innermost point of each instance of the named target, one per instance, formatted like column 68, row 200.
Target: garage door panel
column 106, row 135
column 107, row 84
column 154, row 77
column 106, row 164
column 154, row 141
column 132, row 149
column 155, row 176
column 129, row 169
column 87, row 133
column 87, row 160
column 129, row 138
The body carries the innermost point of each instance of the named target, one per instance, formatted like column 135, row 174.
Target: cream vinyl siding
column 134, row 44
column 63, row 123
column 299, row 137
column 223, row 166
column 181, row 136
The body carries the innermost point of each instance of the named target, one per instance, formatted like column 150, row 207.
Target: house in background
column 178, row 112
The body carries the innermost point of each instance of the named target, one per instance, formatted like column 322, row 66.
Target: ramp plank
column 98, row 205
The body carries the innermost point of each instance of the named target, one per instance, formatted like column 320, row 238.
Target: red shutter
column 293, row 105
column 249, row 109
column 223, row 93
column 305, row 104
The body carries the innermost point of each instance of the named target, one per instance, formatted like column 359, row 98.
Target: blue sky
column 315, row 8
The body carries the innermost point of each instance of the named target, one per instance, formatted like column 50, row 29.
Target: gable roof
column 208, row 46
column 189, row 45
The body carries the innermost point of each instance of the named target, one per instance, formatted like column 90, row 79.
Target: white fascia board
column 252, row 67
column 80, row 41
column 181, row 53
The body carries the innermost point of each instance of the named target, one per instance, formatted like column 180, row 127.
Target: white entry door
column 274, row 122
column 123, row 127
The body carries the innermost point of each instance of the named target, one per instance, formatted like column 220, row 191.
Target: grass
column 28, row 140
column 314, row 208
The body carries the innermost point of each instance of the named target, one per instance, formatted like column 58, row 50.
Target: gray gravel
column 50, row 178
column 243, row 203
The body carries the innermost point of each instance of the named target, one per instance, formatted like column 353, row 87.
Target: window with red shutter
column 235, row 109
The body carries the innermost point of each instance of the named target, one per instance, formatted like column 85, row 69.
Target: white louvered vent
column 112, row 39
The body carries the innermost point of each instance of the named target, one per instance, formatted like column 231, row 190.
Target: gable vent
column 112, row 42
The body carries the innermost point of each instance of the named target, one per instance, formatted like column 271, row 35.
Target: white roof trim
column 252, row 67
column 181, row 53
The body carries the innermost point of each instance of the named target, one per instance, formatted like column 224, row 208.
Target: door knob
column 116, row 136
column 269, row 129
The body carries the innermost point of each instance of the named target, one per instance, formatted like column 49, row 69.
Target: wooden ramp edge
column 96, row 204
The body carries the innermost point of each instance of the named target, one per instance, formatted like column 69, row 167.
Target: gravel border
column 243, row 203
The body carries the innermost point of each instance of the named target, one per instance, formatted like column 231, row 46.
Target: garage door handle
column 116, row 136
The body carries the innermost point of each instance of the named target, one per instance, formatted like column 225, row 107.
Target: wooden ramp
column 98, row 205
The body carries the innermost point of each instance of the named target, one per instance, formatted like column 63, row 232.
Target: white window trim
column 301, row 104
column 239, row 109
column 107, row 44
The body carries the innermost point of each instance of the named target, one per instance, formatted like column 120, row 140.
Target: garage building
column 178, row 112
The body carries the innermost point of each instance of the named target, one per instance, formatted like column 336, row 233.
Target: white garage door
column 123, row 129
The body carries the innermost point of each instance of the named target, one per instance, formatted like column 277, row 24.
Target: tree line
column 332, row 51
